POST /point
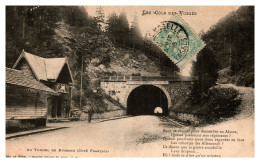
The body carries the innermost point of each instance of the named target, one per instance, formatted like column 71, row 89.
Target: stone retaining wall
column 188, row 118
column 109, row 114
column 105, row 115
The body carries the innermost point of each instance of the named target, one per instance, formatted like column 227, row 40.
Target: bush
column 18, row 125
column 219, row 103
column 216, row 104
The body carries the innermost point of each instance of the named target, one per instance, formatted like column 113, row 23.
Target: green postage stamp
column 178, row 41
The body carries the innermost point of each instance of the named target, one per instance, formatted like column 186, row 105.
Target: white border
column 132, row 2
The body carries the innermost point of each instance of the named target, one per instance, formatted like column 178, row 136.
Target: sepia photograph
column 129, row 81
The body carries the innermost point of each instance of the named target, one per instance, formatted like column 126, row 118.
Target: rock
column 104, row 50
column 95, row 61
column 102, row 67
column 112, row 52
column 92, row 75
column 135, row 62
column 142, row 57
column 127, row 55
column 136, row 74
column 126, row 61
column 152, row 69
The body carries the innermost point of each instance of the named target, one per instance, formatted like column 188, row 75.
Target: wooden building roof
column 19, row 78
column 44, row 68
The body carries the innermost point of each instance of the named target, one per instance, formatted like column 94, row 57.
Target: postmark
column 178, row 41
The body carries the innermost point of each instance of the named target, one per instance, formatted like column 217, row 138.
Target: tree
column 232, row 41
column 112, row 23
column 242, row 49
column 14, row 34
column 30, row 28
column 100, row 18
column 122, row 29
column 76, row 16
column 135, row 32
column 206, row 69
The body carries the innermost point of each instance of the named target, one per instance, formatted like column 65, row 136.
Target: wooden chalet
column 51, row 73
column 26, row 98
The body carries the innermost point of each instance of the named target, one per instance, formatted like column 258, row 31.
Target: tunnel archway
column 144, row 99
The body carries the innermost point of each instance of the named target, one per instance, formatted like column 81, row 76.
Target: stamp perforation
column 180, row 63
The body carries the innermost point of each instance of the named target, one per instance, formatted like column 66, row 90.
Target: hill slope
column 232, row 42
column 70, row 32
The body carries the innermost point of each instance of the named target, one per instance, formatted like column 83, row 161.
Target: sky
column 206, row 16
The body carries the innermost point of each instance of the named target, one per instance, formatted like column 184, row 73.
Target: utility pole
column 81, row 77
column 230, row 55
column 23, row 22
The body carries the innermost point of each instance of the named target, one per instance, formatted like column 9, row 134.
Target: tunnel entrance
column 144, row 99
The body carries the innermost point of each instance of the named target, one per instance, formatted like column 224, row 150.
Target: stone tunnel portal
column 144, row 99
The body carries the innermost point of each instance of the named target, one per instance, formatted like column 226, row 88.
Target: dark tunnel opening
column 144, row 99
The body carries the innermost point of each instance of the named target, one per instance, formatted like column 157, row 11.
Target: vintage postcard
column 130, row 81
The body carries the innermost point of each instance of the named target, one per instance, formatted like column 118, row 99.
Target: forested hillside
column 70, row 32
column 230, row 43
column 228, row 57
column 110, row 45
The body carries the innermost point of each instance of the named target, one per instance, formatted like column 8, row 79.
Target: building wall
column 56, row 106
column 25, row 67
column 24, row 103
column 64, row 97
column 25, row 106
